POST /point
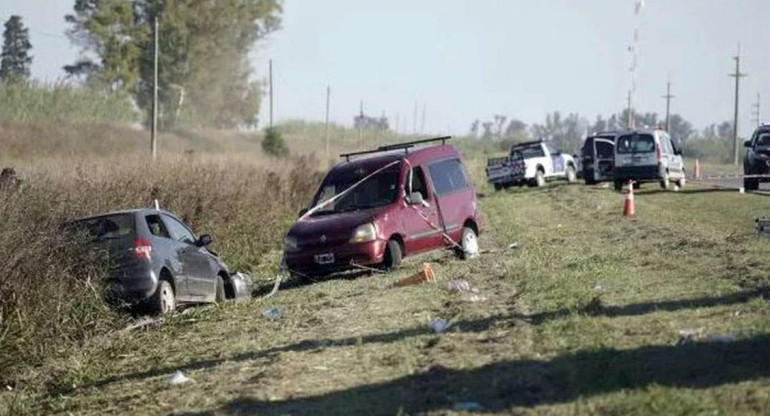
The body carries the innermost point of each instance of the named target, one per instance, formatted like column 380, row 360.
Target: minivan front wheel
column 469, row 244
column 221, row 295
column 393, row 255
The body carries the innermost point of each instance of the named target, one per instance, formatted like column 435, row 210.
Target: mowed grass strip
column 582, row 317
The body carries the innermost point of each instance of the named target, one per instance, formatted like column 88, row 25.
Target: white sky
column 466, row 59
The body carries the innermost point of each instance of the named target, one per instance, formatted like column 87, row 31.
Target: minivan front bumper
column 345, row 256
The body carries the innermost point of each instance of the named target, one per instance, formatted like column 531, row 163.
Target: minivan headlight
column 290, row 243
column 364, row 234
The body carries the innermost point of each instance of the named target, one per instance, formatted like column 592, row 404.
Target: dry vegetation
column 50, row 291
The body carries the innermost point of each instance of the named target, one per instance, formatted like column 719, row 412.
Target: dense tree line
column 204, row 72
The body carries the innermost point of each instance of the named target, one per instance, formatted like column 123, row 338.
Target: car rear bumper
column 364, row 254
column 131, row 285
column 637, row 173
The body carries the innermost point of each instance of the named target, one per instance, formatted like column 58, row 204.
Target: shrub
column 273, row 143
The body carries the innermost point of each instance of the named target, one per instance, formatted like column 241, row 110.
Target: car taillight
column 142, row 249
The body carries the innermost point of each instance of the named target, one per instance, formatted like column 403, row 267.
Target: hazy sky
column 472, row 59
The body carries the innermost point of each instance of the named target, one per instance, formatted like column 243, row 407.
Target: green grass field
column 584, row 316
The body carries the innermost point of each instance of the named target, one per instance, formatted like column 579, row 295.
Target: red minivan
column 380, row 206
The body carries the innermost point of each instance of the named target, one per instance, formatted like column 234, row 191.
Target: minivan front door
column 422, row 226
column 454, row 195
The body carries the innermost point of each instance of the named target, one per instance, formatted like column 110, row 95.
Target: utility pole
column 360, row 126
column 328, row 99
column 154, row 128
column 757, row 114
column 629, row 121
column 668, row 98
column 271, row 94
column 737, row 75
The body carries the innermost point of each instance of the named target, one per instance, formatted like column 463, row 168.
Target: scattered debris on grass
column 272, row 313
column 142, row 323
column 459, row 285
column 178, row 378
column 439, row 325
column 513, row 246
column 426, row 275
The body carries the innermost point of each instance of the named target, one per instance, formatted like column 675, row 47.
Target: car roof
column 133, row 211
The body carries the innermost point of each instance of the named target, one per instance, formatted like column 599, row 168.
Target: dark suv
column 757, row 158
column 156, row 259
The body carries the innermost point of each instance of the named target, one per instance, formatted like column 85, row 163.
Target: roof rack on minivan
column 404, row 146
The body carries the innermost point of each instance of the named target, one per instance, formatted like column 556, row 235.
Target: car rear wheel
column 221, row 294
column 498, row 187
column 164, row 300
column 539, row 179
column 393, row 255
column 571, row 175
column 469, row 242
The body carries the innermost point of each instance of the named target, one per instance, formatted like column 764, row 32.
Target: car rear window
column 447, row 176
column 636, row 143
column 111, row 227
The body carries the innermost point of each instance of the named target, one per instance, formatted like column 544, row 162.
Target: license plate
column 323, row 259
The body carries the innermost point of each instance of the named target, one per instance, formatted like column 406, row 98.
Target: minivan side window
column 447, row 176
column 418, row 182
column 178, row 231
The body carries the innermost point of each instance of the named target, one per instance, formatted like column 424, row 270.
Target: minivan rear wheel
column 393, row 255
column 469, row 243
column 221, row 296
column 665, row 182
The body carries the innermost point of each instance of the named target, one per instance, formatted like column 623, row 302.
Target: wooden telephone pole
column 154, row 127
column 668, row 98
column 737, row 75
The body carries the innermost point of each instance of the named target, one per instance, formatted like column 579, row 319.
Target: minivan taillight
column 142, row 249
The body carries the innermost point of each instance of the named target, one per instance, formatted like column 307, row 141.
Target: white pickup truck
column 531, row 163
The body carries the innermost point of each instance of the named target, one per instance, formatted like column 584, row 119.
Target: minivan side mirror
column 415, row 198
column 204, row 240
column 747, row 143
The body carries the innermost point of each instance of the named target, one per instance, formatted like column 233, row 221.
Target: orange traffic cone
column 696, row 171
column 629, row 207
column 426, row 275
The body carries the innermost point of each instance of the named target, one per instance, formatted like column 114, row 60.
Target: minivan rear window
column 636, row 143
column 111, row 227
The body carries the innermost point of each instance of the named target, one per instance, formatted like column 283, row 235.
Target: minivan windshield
column 377, row 191
column 636, row 143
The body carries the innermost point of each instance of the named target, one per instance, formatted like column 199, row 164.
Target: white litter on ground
column 178, row 378
column 439, row 325
column 459, row 285
column 721, row 338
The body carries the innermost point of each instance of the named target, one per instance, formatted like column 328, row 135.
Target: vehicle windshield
column 377, row 191
column 112, row 227
column 527, row 152
column 636, row 143
column 763, row 139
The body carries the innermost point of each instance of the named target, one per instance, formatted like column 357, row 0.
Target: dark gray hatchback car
column 155, row 259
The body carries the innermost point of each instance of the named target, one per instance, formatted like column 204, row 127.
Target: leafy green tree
column 204, row 72
column 15, row 61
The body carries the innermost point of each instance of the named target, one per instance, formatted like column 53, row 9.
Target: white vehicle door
column 556, row 159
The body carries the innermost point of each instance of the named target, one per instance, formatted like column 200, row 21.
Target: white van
column 648, row 156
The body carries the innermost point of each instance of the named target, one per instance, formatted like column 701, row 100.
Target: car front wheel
column 393, row 256
column 221, row 295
